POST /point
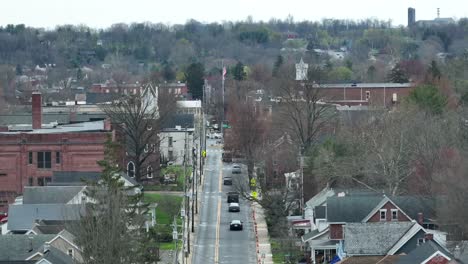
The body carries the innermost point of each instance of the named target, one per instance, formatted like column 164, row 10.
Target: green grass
column 179, row 171
column 162, row 216
column 169, row 245
column 278, row 256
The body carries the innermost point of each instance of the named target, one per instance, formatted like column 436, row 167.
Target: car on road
column 227, row 180
column 236, row 169
column 234, row 207
column 233, row 197
column 217, row 135
column 235, row 225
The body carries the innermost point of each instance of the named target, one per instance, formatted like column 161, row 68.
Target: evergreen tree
column 397, row 75
column 111, row 229
column 194, row 76
column 428, row 98
column 434, row 71
column 239, row 72
column 278, row 63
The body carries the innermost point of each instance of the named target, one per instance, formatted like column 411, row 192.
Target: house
column 22, row 217
column 427, row 253
column 177, row 139
column 40, row 249
column 346, row 223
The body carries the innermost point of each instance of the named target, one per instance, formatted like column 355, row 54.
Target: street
column 214, row 242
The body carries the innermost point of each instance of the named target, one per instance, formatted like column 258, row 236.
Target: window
column 170, row 142
column 131, row 169
column 57, row 157
column 70, row 252
column 394, row 214
column 420, row 241
column 40, row 181
column 3, row 174
column 170, row 155
column 30, row 161
column 383, row 214
column 394, row 97
column 30, row 181
column 367, row 95
column 149, row 171
column 44, row 160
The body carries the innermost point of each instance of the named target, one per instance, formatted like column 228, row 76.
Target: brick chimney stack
column 428, row 236
column 36, row 110
column 420, row 218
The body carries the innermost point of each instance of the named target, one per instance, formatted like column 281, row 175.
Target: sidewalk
column 262, row 238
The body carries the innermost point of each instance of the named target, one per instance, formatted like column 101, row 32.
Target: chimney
column 420, row 218
column 36, row 110
column 107, row 124
column 46, row 247
column 428, row 236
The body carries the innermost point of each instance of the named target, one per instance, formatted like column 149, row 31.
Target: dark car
column 236, row 169
column 227, row 156
column 233, row 197
column 235, row 225
column 227, row 181
column 234, row 207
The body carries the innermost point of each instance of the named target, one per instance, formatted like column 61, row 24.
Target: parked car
column 234, row 207
column 227, row 181
column 235, row 225
column 236, row 169
column 232, row 197
column 217, row 136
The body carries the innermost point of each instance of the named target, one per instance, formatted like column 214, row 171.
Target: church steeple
column 301, row 71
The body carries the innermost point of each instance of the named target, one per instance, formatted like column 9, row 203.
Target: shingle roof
column 23, row 216
column 373, row 238
column 422, row 252
column 49, row 194
column 413, row 205
column 56, row 256
column 20, row 247
column 350, row 209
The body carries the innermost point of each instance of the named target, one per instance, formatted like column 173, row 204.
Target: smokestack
column 36, row 110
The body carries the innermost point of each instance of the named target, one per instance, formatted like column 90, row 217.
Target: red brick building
column 379, row 94
column 30, row 154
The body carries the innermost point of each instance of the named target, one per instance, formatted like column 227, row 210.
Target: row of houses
column 42, row 222
column 360, row 226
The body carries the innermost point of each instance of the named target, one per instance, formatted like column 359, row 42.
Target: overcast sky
column 103, row 13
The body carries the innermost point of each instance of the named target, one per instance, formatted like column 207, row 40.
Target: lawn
column 168, row 206
column 179, row 171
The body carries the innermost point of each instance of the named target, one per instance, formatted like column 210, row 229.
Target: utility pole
column 222, row 91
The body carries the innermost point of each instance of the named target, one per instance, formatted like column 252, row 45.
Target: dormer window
column 383, row 214
column 394, row 214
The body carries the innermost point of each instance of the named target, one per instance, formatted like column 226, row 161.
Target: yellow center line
column 218, row 223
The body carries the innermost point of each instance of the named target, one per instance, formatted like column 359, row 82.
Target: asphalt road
column 214, row 242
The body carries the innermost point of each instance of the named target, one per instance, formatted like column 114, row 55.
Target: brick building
column 29, row 154
column 377, row 94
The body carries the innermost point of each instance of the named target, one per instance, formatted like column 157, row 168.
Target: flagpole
column 223, row 73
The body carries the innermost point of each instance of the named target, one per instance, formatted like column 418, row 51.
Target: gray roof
column 182, row 120
column 320, row 212
column 49, row 194
column 20, row 247
column 350, row 209
column 56, row 256
column 73, row 177
column 412, row 205
column 97, row 98
column 373, row 238
column 23, row 216
column 310, row 235
column 422, row 252
column 76, row 127
column 47, row 118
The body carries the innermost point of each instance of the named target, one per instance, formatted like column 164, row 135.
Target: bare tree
column 140, row 118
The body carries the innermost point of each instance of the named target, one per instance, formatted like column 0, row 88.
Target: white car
column 234, row 207
column 235, row 225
